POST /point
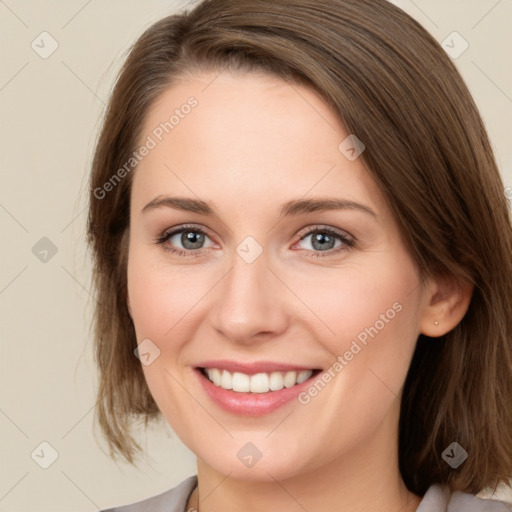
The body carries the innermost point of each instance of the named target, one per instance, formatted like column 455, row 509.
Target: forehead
column 245, row 135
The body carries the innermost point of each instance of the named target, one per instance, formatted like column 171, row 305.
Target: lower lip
column 251, row 404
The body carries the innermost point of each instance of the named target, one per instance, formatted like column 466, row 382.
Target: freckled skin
column 251, row 144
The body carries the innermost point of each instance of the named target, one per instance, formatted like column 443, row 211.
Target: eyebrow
column 290, row 208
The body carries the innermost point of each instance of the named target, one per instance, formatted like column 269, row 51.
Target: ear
column 446, row 302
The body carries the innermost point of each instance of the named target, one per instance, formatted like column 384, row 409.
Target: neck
column 365, row 480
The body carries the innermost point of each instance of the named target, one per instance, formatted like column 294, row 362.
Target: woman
column 303, row 261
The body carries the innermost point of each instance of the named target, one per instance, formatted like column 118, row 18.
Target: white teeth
column 290, row 379
column 215, row 377
column 240, row 382
column 257, row 383
column 225, row 380
column 304, row 375
column 276, row 381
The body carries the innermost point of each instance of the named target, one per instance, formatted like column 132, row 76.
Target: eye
column 323, row 240
column 191, row 238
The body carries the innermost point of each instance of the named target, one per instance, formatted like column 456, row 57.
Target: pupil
column 324, row 241
column 193, row 238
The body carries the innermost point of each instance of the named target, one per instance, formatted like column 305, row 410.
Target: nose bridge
column 248, row 303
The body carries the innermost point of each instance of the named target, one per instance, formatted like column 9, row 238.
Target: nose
column 250, row 302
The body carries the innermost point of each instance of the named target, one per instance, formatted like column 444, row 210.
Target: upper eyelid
column 191, row 227
column 312, row 228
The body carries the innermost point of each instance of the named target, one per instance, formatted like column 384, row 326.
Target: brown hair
column 394, row 87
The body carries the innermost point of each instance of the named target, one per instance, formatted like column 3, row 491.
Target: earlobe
column 446, row 302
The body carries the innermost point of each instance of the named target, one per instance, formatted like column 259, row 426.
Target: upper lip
column 254, row 367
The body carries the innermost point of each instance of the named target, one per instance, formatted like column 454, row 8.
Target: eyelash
column 348, row 242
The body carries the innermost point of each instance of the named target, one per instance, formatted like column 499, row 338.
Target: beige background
column 50, row 112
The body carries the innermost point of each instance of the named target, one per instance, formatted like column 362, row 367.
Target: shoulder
column 438, row 498
column 173, row 500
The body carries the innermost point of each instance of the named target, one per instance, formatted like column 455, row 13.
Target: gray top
column 437, row 499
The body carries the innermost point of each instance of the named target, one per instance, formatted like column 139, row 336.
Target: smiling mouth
column 264, row 382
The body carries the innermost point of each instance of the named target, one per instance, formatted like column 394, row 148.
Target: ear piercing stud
column 436, row 323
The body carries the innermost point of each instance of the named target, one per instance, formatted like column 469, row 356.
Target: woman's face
column 248, row 276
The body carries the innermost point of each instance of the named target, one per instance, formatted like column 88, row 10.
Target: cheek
column 159, row 297
column 164, row 302
column 372, row 315
column 363, row 301
column 369, row 325
column 160, row 302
